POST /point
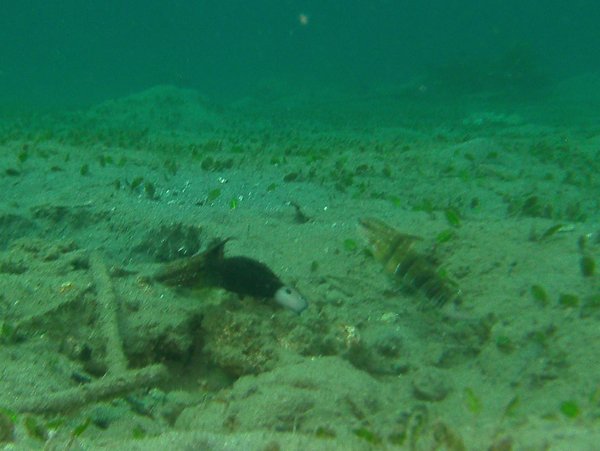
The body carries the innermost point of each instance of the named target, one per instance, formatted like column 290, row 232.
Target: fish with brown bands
column 396, row 252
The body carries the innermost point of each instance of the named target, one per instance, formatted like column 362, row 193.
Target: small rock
column 430, row 384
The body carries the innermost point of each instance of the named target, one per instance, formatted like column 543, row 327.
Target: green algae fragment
column 472, row 401
column 452, row 216
column 550, row 232
column 505, row 344
column 207, row 164
column 350, row 245
column 367, row 435
column 9, row 414
column 8, row 333
column 213, row 194
column 570, row 409
column 395, row 200
column 81, row 427
column 397, row 438
column 171, row 166
column 325, row 432
column 588, row 266
column 291, row 177
column 568, row 300
column 23, row 155
column 7, row 428
column 591, row 306
column 425, row 205
column 539, row 294
column 150, row 190
column 444, row 236
column 35, row 429
column 104, row 160
column 512, row 406
column 138, row 432
column 135, row 183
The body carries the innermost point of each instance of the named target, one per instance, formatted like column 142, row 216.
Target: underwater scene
column 300, row 225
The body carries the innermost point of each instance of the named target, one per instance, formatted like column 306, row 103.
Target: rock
column 430, row 384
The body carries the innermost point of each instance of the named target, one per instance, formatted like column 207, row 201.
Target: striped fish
column 396, row 252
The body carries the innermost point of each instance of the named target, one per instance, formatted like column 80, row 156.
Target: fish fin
column 198, row 270
column 216, row 250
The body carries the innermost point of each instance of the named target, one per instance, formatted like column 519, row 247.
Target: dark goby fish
column 242, row 275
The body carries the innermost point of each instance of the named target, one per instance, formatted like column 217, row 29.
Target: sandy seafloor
column 505, row 198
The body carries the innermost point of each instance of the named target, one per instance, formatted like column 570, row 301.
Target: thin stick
column 107, row 387
column 116, row 360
